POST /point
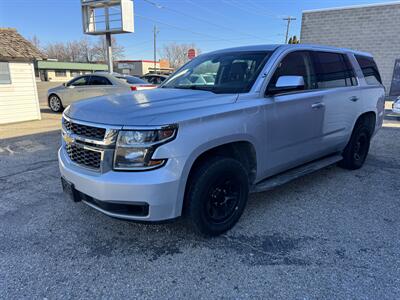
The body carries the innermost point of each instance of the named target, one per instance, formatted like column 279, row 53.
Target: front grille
column 84, row 130
column 82, row 156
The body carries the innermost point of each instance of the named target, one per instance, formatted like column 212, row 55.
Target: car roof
column 273, row 47
column 159, row 75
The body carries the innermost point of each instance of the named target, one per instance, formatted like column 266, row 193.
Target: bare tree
column 73, row 49
column 176, row 54
column 82, row 50
column 35, row 42
column 87, row 50
column 57, row 51
column 118, row 51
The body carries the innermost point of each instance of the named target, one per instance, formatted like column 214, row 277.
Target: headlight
column 135, row 148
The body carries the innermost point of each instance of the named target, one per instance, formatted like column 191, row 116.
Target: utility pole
column 288, row 19
column 155, row 31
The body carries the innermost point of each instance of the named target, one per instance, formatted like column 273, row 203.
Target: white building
column 18, row 93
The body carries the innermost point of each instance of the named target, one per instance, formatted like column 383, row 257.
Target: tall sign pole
column 109, row 53
column 155, row 32
column 96, row 21
column 108, row 41
column 288, row 19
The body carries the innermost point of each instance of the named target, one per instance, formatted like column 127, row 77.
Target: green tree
column 293, row 40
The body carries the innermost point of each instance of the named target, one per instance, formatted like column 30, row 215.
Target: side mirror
column 287, row 84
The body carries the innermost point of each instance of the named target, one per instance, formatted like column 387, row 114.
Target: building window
column 5, row 77
column 61, row 73
column 75, row 73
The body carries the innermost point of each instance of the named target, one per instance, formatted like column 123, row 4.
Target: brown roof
column 15, row 46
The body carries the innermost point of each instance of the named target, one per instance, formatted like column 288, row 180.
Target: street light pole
column 288, row 19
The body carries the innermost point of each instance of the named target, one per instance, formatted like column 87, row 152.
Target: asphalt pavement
column 331, row 234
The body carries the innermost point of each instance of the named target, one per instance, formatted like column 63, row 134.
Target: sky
column 209, row 24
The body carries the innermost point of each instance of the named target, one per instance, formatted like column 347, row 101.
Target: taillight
column 143, row 87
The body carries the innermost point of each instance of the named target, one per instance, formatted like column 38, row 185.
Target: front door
column 75, row 89
column 294, row 119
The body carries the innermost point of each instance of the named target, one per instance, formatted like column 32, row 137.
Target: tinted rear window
column 333, row 70
column 99, row 80
column 369, row 69
column 132, row 80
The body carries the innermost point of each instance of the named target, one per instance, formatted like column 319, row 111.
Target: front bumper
column 159, row 189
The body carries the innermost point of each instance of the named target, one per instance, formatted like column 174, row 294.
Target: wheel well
column 368, row 119
column 52, row 94
column 241, row 151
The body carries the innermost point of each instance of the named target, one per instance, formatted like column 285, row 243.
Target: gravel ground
column 332, row 234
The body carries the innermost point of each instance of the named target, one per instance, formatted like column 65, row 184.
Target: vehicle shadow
column 33, row 202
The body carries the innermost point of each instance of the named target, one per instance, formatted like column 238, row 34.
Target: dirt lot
column 332, row 234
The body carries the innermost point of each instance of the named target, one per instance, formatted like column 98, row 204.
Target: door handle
column 317, row 105
column 354, row 98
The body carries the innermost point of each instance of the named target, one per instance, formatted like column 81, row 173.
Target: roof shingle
column 14, row 46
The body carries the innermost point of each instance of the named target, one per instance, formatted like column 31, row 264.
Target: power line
column 181, row 28
column 262, row 9
column 159, row 6
column 234, row 4
column 206, row 9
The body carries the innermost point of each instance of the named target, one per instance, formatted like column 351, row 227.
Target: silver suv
column 264, row 116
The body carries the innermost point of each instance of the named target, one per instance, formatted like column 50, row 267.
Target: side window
column 369, row 69
column 296, row 64
column 99, row 80
column 151, row 79
column 333, row 70
column 5, row 77
column 80, row 81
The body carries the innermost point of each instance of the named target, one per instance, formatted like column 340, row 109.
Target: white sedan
column 92, row 85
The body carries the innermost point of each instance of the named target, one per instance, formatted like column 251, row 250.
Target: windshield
column 132, row 79
column 228, row 72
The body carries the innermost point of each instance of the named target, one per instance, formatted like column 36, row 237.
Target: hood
column 145, row 107
column 56, row 88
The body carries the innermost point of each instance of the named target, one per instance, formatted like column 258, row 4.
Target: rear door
column 99, row 85
column 338, row 86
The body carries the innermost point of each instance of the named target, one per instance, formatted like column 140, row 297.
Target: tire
column 55, row 103
column 357, row 149
column 217, row 195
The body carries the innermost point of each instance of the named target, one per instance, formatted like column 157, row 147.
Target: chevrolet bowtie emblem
column 68, row 139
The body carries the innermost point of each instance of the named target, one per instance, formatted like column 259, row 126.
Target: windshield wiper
column 195, row 87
